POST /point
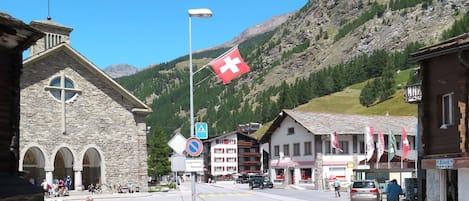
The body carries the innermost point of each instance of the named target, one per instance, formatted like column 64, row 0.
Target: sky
column 145, row 32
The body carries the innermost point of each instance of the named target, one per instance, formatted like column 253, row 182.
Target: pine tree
column 158, row 152
column 387, row 82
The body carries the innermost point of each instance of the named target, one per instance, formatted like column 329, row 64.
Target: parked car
column 268, row 183
column 256, row 182
column 365, row 190
column 242, row 179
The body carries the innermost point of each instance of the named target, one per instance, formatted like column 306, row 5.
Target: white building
column 231, row 154
column 299, row 145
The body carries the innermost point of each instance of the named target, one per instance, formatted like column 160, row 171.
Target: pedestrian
column 68, row 184
column 45, row 187
column 393, row 190
column 337, row 188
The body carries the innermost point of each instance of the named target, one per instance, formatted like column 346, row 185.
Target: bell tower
column 55, row 34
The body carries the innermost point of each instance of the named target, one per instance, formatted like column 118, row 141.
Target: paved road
column 217, row 192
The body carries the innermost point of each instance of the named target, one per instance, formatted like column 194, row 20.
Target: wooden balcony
column 249, row 163
column 241, row 154
column 413, row 93
column 245, row 144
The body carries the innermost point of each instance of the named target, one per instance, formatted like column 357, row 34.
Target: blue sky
column 144, row 32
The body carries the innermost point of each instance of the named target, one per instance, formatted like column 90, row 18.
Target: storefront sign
column 444, row 163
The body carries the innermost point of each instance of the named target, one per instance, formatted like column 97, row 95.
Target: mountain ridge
column 303, row 45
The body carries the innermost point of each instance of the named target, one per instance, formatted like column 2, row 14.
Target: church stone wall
column 98, row 117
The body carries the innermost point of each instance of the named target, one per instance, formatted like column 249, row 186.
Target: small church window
column 56, row 89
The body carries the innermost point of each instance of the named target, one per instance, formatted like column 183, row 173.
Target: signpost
column 201, row 130
column 194, row 147
column 194, row 165
column 178, row 143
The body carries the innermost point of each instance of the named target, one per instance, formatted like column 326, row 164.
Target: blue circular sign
column 194, row 147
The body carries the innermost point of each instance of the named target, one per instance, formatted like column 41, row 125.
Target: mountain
column 258, row 29
column 120, row 70
column 320, row 49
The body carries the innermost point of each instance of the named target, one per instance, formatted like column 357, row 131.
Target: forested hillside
column 321, row 49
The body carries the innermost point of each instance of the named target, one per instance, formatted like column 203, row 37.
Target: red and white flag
column 380, row 145
column 370, row 142
column 230, row 66
column 335, row 142
column 405, row 144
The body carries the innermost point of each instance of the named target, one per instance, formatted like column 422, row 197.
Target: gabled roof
column 139, row 106
column 17, row 31
column 326, row 123
column 227, row 134
column 450, row 46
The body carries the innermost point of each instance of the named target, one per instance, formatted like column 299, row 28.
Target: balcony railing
column 245, row 144
column 249, row 162
column 413, row 93
column 249, row 154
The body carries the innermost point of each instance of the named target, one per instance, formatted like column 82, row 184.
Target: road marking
column 205, row 195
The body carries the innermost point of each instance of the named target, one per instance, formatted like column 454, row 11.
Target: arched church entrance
column 91, row 168
column 33, row 165
column 63, row 165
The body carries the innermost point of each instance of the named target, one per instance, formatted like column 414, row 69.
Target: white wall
column 280, row 137
column 224, row 155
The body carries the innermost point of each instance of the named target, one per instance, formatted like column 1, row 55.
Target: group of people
column 95, row 188
column 59, row 187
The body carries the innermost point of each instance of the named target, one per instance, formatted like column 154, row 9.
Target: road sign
column 194, row 146
column 178, row 163
column 201, row 130
column 178, row 143
column 194, row 165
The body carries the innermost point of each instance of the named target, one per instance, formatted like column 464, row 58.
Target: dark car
column 256, row 182
column 268, row 183
column 242, row 179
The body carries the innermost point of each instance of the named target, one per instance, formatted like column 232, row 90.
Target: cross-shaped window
column 63, row 90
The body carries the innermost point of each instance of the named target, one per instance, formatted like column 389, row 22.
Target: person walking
column 393, row 190
column 337, row 188
column 45, row 187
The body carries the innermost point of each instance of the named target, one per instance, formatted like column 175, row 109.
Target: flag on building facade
column 405, row 144
column 370, row 142
column 392, row 145
column 380, row 145
column 335, row 142
column 230, row 65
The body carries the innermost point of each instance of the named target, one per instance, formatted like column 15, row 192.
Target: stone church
column 75, row 120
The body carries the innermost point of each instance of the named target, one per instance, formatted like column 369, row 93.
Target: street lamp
column 202, row 13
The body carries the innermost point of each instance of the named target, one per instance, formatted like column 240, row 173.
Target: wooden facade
column 443, row 117
column 444, row 72
column 15, row 36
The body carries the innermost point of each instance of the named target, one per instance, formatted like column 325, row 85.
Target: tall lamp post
column 201, row 13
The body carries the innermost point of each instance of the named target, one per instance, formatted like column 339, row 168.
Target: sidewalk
column 183, row 191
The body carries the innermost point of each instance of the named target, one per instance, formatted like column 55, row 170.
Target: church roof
column 326, row 123
column 140, row 107
column 50, row 23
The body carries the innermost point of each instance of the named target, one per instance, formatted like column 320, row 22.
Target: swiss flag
column 230, row 66
column 405, row 144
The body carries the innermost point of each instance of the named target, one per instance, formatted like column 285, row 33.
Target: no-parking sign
column 194, row 147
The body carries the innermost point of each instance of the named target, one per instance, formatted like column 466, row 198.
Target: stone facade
column 97, row 136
